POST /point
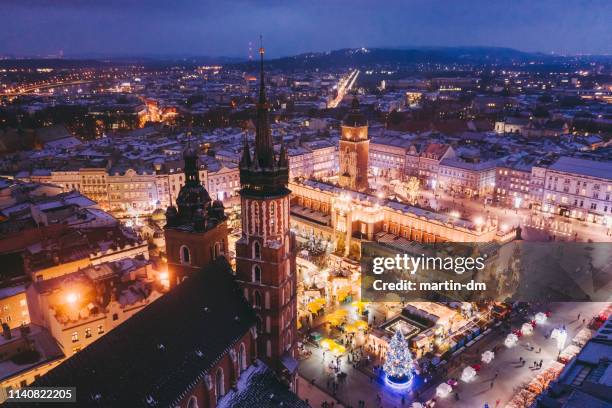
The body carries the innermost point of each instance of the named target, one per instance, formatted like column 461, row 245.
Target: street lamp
column 71, row 298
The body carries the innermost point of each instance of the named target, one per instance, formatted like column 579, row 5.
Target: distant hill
column 357, row 57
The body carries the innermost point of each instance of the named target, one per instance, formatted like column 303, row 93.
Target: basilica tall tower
column 353, row 150
column 265, row 253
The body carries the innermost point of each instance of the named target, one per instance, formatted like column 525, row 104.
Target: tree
column 398, row 365
column 412, row 189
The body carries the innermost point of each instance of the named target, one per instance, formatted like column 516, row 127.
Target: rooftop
column 159, row 353
column 583, row 167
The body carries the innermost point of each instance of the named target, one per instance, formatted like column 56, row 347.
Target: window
column 185, row 255
column 115, row 316
column 256, row 274
column 272, row 216
column 75, row 337
column 257, row 299
column 87, row 332
column 256, row 250
column 259, row 324
column 219, row 386
column 242, row 358
column 100, row 329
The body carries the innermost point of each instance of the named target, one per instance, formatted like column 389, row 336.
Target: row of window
column 100, row 330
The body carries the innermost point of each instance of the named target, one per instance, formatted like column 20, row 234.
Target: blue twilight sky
column 225, row 27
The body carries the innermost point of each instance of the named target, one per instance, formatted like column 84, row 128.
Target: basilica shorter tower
column 196, row 229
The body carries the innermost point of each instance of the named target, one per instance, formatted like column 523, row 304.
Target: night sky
column 225, row 27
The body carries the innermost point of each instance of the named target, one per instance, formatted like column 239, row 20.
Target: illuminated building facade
column 348, row 218
column 353, row 150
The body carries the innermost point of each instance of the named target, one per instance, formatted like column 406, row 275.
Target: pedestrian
column 491, row 384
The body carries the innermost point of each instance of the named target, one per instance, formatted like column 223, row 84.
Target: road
column 37, row 88
column 344, row 86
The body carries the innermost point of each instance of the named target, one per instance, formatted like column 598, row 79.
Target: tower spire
column 263, row 137
column 262, row 85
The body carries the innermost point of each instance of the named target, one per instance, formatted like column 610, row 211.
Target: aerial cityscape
column 245, row 205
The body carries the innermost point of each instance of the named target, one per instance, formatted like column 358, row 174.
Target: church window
column 185, row 255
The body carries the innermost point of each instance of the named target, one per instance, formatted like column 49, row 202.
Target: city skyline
column 111, row 29
column 355, row 218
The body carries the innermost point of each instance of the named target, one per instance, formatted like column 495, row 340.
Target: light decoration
column 360, row 305
column 335, row 348
column 358, row 325
column 511, row 340
column 527, row 329
column 343, row 293
column 560, row 335
column 540, row 318
column 487, row 356
column 443, row 390
column 316, row 305
column 517, row 201
column 337, row 317
column 468, row 374
column 164, row 279
column 71, row 298
column 398, row 364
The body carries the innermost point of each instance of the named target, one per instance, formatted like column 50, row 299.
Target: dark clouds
column 202, row 27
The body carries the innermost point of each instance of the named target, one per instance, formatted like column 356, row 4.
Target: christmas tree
column 398, row 365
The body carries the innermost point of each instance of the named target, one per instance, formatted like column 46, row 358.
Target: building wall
column 387, row 161
column 512, row 187
column 203, row 248
column 578, row 196
column 73, row 336
column 14, row 309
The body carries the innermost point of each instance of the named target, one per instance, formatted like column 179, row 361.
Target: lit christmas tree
column 398, row 365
